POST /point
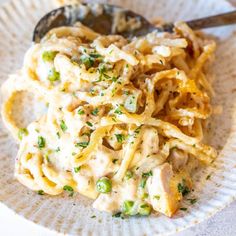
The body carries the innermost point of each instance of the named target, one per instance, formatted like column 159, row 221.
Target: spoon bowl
column 99, row 17
column 106, row 19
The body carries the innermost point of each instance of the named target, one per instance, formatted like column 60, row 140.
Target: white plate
column 73, row 215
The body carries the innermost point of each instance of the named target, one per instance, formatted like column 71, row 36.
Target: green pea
column 104, row 185
column 144, row 209
column 53, row 75
column 128, row 207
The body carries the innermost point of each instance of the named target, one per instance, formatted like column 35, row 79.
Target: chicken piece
column 150, row 144
column 85, row 183
column 101, row 162
column 163, row 191
column 178, row 158
column 109, row 202
column 148, row 156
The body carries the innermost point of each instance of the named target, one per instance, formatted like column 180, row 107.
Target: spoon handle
column 213, row 21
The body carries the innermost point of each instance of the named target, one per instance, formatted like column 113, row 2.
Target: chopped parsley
column 147, row 174
column 95, row 112
column 157, row 197
column 95, row 55
column 114, row 161
column 40, row 192
column 118, row 111
column 77, row 169
column 87, row 61
column 58, row 135
column 82, row 144
column 93, row 217
column 114, row 119
column 74, row 95
column 92, row 91
column 183, row 188
column 41, row 142
column 183, row 209
column 89, row 124
column 145, row 195
column 48, row 56
column 193, row 200
column 22, row 132
column 58, row 149
column 80, row 112
column 143, row 182
column 120, row 138
column 137, row 131
column 102, row 69
column 115, row 78
column 69, row 189
column 63, row 126
column 118, row 214
column 128, row 175
column 208, row 177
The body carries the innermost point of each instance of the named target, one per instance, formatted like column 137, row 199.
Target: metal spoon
column 100, row 17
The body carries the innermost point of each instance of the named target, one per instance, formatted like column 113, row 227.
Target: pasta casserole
column 124, row 120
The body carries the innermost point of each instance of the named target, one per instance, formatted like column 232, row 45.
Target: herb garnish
column 87, row 61
column 22, row 132
column 41, row 142
column 95, row 112
column 89, row 124
column 208, row 177
column 120, row 138
column 40, row 192
column 147, row 174
column 193, row 200
column 157, row 197
column 118, row 111
column 183, row 188
column 58, row 135
column 118, row 214
column 63, row 126
column 80, row 112
column 114, row 161
column 183, row 209
column 82, row 144
column 143, row 182
column 69, row 189
column 77, row 169
column 128, row 175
